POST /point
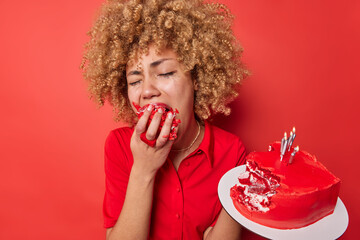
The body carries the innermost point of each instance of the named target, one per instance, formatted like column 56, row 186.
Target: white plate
column 329, row 227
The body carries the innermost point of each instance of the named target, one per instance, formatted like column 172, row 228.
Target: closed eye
column 168, row 74
column 134, row 83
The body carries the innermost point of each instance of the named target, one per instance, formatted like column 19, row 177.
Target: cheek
column 186, row 89
column 178, row 88
column 132, row 97
column 134, row 93
column 183, row 93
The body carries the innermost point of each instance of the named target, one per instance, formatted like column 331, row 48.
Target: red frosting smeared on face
column 166, row 109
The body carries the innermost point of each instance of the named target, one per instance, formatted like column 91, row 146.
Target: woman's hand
column 148, row 159
column 225, row 228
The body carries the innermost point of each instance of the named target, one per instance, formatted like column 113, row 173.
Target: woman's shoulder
column 120, row 136
column 220, row 134
column 228, row 145
column 126, row 131
column 117, row 152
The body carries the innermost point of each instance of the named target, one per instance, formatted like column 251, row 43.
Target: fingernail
column 150, row 107
column 160, row 110
column 170, row 116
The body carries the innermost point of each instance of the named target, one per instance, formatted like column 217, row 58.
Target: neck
column 189, row 135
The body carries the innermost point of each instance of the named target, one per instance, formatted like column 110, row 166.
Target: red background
column 303, row 56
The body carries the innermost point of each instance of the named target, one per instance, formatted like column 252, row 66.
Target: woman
column 182, row 54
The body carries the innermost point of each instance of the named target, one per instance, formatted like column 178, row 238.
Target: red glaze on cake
column 166, row 109
column 280, row 195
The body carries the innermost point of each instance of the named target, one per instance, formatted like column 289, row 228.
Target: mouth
column 156, row 107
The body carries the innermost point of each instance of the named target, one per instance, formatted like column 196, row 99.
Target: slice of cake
column 285, row 188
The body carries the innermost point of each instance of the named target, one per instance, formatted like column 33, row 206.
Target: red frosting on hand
column 166, row 109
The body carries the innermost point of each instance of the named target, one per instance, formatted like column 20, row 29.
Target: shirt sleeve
column 241, row 153
column 116, row 176
column 217, row 216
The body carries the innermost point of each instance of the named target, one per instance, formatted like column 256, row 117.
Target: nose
column 149, row 89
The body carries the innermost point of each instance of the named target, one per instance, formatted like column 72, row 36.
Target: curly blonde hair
column 200, row 33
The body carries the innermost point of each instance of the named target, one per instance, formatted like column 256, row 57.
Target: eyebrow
column 152, row 65
column 158, row 62
column 135, row 72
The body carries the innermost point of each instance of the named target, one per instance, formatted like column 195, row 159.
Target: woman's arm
column 134, row 219
column 225, row 228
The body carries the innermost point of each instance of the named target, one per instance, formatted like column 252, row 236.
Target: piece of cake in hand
column 285, row 188
column 165, row 109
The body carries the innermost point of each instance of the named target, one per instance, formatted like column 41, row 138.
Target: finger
column 172, row 137
column 152, row 130
column 173, row 134
column 165, row 131
column 141, row 124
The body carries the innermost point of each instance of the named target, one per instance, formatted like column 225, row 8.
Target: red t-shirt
column 185, row 203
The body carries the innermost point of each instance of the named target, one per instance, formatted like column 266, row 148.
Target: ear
column 196, row 85
column 194, row 78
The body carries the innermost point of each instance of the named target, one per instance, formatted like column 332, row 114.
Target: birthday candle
column 292, row 137
column 283, row 146
column 290, row 141
column 291, row 159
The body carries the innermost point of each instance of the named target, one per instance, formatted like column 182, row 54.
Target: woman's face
column 161, row 78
